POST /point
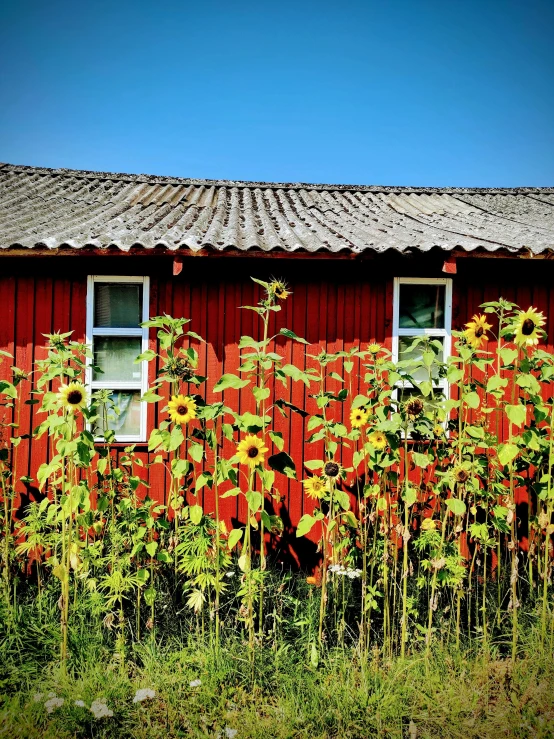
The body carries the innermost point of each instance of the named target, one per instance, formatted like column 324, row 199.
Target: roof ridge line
column 167, row 180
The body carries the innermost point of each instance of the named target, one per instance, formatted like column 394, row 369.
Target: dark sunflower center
column 462, row 476
column 479, row 331
column 74, row 397
column 182, row 410
column 253, row 452
column 527, row 327
column 331, row 469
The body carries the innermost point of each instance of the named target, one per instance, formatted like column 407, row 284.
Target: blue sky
column 412, row 92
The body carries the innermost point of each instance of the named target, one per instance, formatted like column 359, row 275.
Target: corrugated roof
column 56, row 208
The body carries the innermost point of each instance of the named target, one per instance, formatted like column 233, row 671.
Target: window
column 115, row 308
column 422, row 307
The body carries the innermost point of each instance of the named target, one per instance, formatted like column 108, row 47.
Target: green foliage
column 414, row 494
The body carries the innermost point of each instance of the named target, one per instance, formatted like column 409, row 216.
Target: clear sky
column 410, row 92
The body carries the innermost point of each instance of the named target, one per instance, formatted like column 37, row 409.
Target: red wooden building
column 96, row 253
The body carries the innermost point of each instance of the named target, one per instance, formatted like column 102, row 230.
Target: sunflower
column 314, row 487
column 428, row 524
column 414, row 408
column 182, row 409
column 374, row 347
column 178, row 368
column 438, row 430
column 331, row 470
column 475, row 332
column 251, row 450
column 377, row 439
column 527, row 327
column 358, row 418
column 72, row 396
column 278, row 288
column 461, row 474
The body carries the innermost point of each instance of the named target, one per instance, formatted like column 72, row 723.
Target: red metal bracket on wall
column 449, row 266
column 177, row 265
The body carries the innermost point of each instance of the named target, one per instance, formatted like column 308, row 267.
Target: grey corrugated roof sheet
column 56, row 208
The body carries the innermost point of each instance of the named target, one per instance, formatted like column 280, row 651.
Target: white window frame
column 440, row 333
column 91, row 332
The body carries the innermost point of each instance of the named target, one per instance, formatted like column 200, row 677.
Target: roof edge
column 164, row 180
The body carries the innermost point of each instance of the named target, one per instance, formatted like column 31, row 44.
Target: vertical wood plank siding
column 335, row 305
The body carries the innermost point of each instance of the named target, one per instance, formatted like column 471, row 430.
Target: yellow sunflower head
column 358, row 418
column 378, row 440
column 182, row 409
column 251, row 450
column 428, row 524
column 528, row 327
column 279, row 289
column 73, row 397
column 374, row 348
column 475, row 331
column 314, row 487
column 438, row 431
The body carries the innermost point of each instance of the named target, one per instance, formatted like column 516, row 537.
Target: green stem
column 404, row 637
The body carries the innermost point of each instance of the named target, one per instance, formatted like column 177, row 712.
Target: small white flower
column 100, row 710
column 230, row 574
column 53, row 703
column 195, row 683
column 230, row 733
column 37, row 697
column 144, row 694
column 80, row 704
column 353, row 574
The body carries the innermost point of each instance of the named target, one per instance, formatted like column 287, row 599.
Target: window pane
column 421, row 374
column 117, row 305
column 422, row 306
column 127, row 421
column 405, row 393
column 115, row 355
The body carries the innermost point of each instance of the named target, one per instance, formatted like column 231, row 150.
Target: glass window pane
column 124, row 419
column 405, row 393
column 115, row 355
column 421, row 374
column 117, row 305
column 422, row 306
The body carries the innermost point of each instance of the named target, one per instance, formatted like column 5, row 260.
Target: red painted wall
column 335, row 304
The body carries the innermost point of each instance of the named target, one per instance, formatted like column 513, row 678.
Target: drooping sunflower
column 72, row 396
column 358, row 418
column 279, row 289
column 178, row 368
column 314, row 487
column 475, row 331
column 251, row 450
column 414, row 408
column 182, row 409
column 527, row 327
column 378, row 440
